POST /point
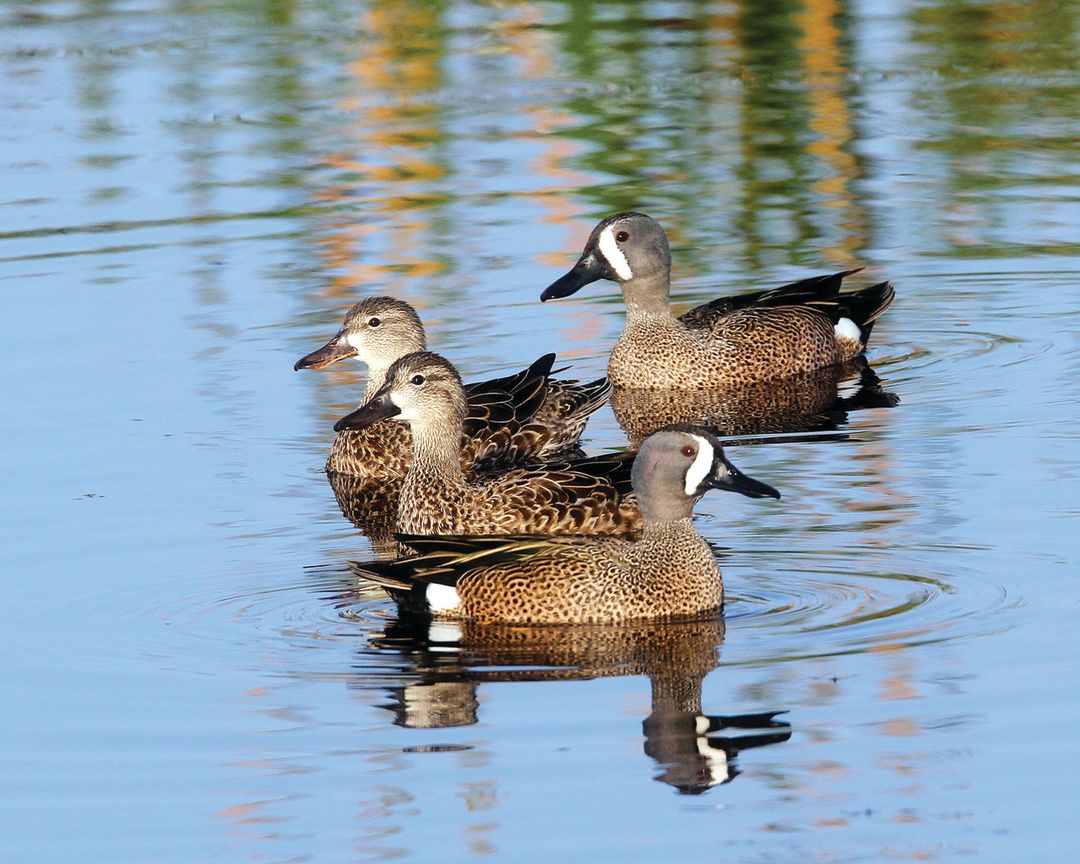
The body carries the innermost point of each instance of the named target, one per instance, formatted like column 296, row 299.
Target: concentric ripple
column 804, row 612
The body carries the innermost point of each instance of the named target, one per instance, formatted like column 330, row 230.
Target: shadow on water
column 438, row 667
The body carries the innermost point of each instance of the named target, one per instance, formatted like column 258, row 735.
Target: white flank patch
column 609, row 248
column 442, row 598
column 847, row 329
column 700, row 467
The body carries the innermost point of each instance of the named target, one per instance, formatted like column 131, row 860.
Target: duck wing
column 815, row 291
column 444, row 560
column 567, row 408
column 592, row 495
column 500, row 430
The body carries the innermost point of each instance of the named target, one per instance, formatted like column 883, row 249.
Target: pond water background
column 193, row 194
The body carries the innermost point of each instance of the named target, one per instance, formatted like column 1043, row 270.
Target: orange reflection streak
column 389, row 165
column 830, row 120
column 537, row 50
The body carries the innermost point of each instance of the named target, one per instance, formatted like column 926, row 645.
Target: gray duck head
column 377, row 331
column 624, row 248
column 677, row 465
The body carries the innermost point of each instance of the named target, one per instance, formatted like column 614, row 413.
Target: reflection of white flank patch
column 701, row 465
column 444, row 631
column 847, row 389
column 609, row 248
column 442, row 598
column 847, row 329
column 717, row 760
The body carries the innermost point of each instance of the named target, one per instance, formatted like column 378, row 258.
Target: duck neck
column 664, row 504
column 437, row 452
column 666, row 530
column 646, row 299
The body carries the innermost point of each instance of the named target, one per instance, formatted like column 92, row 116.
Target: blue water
column 193, row 195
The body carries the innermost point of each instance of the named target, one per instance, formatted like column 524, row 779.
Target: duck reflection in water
column 371, row 504
column 447, row 661
column 812, row 402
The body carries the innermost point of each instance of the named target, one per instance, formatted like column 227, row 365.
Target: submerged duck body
column 732, row 340
column 547, row 415
column 669, row 572
column 577, row 496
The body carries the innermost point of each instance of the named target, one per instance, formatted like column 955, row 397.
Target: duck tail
column 863, row 307
column 585, row 399
column 388, row 575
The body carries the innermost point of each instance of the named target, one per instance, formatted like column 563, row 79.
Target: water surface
column 195, row 192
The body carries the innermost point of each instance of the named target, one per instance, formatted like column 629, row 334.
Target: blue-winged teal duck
column 548, row 414
column 670, row 572
column 582, row 496
column 732, row 340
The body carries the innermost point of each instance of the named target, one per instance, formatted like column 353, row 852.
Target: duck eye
column 417, row 380
column 688, row 451
column 622, row 236
column 374, row 322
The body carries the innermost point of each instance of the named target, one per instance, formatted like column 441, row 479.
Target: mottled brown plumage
column 669, row 572
column 548, row 415
column 732, row 340
column 578, row 496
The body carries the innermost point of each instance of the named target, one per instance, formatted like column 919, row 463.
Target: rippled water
column 195, row 192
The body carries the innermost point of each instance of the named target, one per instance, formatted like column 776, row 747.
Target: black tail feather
column 863, row 307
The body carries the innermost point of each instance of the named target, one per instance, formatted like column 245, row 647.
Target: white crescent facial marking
column 609, row 248
column 442, row 598
column 403, row 414
column 357, row 342
column 847, row 329
column 701, row 465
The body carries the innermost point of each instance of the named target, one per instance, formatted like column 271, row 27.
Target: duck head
column 377, row 331
column 421, row 389
column 623, row 248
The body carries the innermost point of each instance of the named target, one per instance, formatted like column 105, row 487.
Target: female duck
column 579, row 496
